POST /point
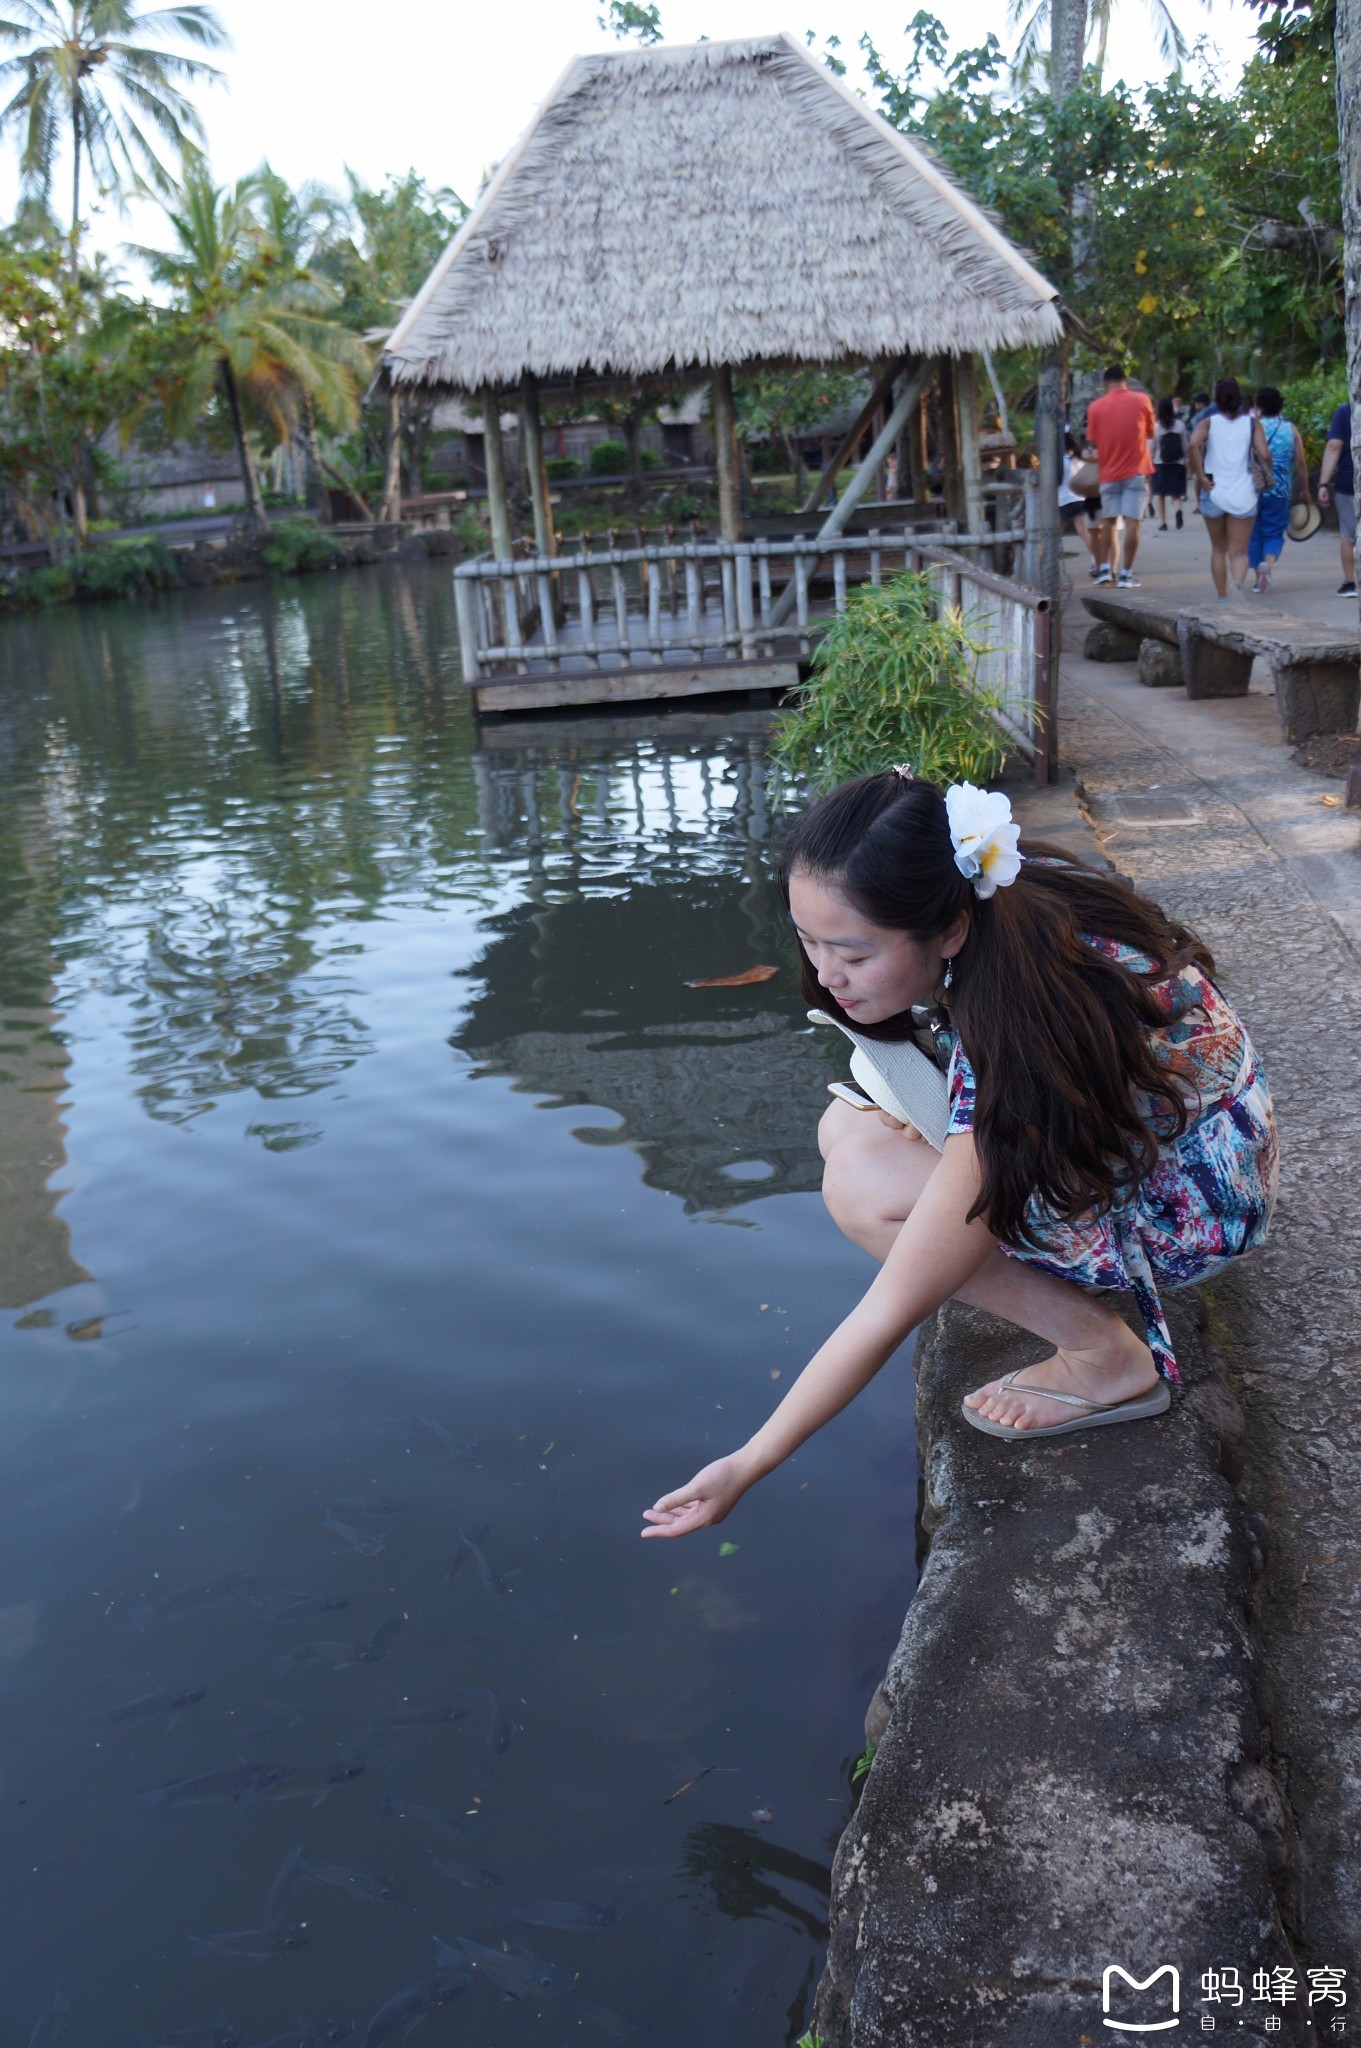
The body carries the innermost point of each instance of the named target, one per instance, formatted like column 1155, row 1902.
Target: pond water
column 383, row 1225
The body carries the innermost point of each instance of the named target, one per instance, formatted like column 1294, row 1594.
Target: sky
column 445, row 86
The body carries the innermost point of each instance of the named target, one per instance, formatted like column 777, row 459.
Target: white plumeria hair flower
column 984, row 836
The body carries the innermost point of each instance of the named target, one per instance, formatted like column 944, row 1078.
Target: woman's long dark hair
column 1054, row 1029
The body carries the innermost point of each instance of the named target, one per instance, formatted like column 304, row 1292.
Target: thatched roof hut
column 717, row 204
column 700, row 209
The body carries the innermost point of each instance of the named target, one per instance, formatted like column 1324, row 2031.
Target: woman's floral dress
column 1210, row 1197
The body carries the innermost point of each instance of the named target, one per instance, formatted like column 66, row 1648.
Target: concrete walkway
column 1202, row 805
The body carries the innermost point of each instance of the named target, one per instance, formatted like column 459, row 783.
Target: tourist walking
column 1336, row 479
column 1290, row 479
column 1080, row 511
column 1108, row 1128
column 1119, row 428
column 1222, row 447
column 1169, row 465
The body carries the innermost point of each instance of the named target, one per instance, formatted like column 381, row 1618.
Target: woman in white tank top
column 1220, row 449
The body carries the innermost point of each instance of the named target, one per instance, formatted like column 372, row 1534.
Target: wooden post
column 498, row 503
column 952, row 477
column 971, row 472
column 725, row 447
column 535, row 462
column 919, row 447
column 832, row 464
column 391, row 507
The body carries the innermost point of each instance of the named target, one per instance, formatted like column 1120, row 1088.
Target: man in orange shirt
column 1120, row 427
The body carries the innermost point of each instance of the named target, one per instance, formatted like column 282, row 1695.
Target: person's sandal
column 1133, row 1409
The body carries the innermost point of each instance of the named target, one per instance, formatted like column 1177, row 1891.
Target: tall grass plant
column 895, row 678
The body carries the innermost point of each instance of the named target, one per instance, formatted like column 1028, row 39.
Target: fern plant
column 895, row 678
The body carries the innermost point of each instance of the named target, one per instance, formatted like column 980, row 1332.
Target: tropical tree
column 247, row 328
column 1086, row 27
column 82, row 79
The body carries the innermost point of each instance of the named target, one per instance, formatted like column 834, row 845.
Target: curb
column 1073, row 1769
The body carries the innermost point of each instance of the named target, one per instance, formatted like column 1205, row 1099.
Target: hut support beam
column 880, row 395
column 535, row 462
column 724, row 422
column 498, row 503
column 970, row 468
column 391, row 507
column 855, row 490
column 952, row 469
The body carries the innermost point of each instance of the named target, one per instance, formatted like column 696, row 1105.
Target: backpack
column 1170, row 448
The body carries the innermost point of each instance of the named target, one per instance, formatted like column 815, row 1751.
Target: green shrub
column 1311, row 402
column 561, row 467
column 297, row 546
column 473, row 533
column 648, row 458
column 894, row 678
column 609, row 458
column 125, row 570
column 56, row 585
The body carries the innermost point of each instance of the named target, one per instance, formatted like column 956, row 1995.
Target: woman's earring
column 948, row 983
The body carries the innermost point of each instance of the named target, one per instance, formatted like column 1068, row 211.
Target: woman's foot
column 1115, row 1372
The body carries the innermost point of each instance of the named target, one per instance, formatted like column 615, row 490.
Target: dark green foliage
column 648, row 458
column 609, row 458
column 126, row 569
column 297, row 546
column 562, row 467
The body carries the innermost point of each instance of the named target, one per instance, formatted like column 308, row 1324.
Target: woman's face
column 873, row 972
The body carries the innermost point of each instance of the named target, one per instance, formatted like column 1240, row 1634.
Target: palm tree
column 82, row 77
column 246, row 325
column 1091, row 22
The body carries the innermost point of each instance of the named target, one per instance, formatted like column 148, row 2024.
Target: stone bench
column 1315, row 669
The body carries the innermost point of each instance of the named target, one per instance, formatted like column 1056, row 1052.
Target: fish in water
column 193, row 1599
column 311, row 1653
column 375, row 1650
column 321, row 2034
column 500, row 1727
column 360, row 1882
column 286, row 1606
column 571, row 1916
column 409, row 1717
column 394, row 2020
column 377, row 1505
column 514, row 1969
column 364, row 1541
column 314, row 1785
column 468, row 1874
column 239, row 1785
column 408, row 1809
column 471, row 1546
column 250, row 1941
column 48, row 2023
column 151, row 1705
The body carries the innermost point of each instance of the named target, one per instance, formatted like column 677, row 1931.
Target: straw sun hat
column 1304, row 520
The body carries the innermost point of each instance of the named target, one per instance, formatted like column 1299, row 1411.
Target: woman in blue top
column 1289, row 471
column 1110, row 1129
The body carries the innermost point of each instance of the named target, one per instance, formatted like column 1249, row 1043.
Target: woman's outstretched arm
column 934, row 1254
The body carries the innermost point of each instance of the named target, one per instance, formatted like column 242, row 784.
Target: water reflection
column 359, row 1137
column 647, row 866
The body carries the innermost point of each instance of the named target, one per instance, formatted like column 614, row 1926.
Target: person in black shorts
column 1077, row 514
column 1169, row 463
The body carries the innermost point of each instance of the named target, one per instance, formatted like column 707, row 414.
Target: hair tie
column 984, row 837
column 903, row 769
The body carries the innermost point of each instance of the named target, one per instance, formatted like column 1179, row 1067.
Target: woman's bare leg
column 1219, row 551
column 874, row 1175
column 1240, row 533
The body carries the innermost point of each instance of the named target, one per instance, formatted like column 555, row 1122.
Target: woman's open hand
column 711, row 1494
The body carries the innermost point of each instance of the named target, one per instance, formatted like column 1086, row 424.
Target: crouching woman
column 1110, row 1127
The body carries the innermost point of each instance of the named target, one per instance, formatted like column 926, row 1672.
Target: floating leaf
column 728, row 1549
column 748, row 974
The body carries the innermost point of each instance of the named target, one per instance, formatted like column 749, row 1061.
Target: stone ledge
column 1074, row 1767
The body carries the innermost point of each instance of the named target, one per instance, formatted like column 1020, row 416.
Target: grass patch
column 895, row 678
column 297, row 546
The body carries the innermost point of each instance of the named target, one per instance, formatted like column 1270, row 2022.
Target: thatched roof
column 722, row 203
